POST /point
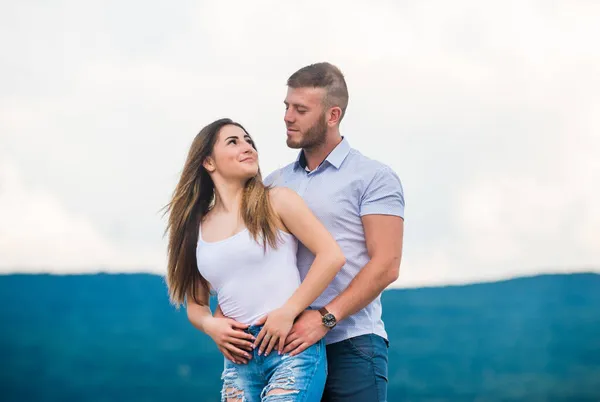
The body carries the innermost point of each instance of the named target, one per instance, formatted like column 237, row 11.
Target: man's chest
column 335, row 201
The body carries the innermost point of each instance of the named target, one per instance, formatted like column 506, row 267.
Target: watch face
column 329, row 320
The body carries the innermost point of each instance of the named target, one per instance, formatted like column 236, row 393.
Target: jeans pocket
column 380, row 357
column 363, row 346
column 313, row 353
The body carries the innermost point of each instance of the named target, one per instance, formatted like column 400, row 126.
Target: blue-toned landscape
column 116, row 338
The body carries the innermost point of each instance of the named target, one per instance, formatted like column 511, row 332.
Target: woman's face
column 234, row 156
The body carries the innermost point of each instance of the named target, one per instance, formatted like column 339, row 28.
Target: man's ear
column 209, row 164
column 334, row 116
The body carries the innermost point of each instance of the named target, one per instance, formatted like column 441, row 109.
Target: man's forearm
column 364, row 288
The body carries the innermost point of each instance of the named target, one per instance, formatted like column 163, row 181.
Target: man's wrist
column 328, row 319
column 335, row 311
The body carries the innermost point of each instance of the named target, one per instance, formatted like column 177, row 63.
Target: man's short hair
column 326, row 76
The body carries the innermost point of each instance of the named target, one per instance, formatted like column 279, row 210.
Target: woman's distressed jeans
column 276, row 378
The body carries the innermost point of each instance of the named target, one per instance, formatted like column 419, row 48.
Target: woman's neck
column 228, row 197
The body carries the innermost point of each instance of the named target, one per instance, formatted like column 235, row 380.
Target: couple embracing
column 297, row 261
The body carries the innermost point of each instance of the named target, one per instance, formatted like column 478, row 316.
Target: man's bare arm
column 383, row 234
column 384, row 237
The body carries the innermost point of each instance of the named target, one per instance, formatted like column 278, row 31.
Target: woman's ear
column 209, row 164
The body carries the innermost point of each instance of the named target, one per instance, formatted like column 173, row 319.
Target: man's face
column 305, row 117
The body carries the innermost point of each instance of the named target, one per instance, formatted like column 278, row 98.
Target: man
column 361, row 203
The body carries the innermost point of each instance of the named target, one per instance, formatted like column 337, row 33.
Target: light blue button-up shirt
column 345, row 187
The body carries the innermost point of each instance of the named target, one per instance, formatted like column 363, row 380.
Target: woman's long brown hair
column 191, row 201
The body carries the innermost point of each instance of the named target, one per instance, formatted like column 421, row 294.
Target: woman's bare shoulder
column 283, row 197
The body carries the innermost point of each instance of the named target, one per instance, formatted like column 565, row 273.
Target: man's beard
column 314, row 136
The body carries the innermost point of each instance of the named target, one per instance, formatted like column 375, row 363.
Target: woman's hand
column 277, row 325
column 230, row 338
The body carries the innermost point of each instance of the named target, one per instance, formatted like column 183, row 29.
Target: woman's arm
column 218, row 312
column 228, row 334
column 304, row 225
column 329, row 259
column 198, row 314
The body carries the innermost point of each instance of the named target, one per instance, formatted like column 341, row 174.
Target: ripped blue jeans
column 276, row 378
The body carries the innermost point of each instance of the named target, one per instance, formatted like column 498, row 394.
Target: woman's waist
column 241, row 274
column 255, row 285
column 248, row 308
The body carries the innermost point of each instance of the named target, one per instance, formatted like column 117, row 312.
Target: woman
column 229, row 232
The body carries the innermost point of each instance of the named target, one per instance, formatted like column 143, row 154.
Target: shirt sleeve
column 270, row 180
column 384, row 195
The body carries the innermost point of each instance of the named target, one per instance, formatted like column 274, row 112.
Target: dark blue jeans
column 357, row 370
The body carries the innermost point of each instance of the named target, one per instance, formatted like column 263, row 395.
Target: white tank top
column 249, row 282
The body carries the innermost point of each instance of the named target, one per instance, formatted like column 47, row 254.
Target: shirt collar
column 335, row 157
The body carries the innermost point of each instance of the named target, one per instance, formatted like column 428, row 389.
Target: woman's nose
column 248, row 148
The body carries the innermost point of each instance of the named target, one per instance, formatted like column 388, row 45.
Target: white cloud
column 523, row 219
column 37, row 234
column 487, row 112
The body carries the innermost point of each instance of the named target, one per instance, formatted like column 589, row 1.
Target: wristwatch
column 327, row 318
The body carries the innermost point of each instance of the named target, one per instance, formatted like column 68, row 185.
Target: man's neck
column 315, row 156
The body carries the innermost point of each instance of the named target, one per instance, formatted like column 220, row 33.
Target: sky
column 489, row 112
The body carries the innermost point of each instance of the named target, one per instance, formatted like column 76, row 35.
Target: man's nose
column 289, row 116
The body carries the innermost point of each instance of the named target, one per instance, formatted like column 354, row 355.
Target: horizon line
column 590, row 271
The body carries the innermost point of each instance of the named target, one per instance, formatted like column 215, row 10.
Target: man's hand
column 307, row 330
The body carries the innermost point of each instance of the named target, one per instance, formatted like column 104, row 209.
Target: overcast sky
column 488, row 111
